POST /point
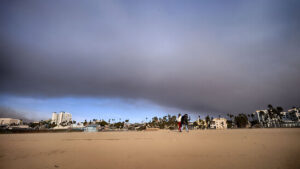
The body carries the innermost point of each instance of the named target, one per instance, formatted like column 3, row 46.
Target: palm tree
column 207, row 119
column 252, row 116
column 270, row 106
column 279, row 111
column 155, row 119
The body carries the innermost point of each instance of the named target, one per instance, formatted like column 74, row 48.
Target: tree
column 155, row 119
column 103, row 123
column 195, row 124
column 33, row 125
column 241, row 120
column 231, row 116
column 229, row 123
column 270, row 106
column 52, row 125
column 207, row 118
column 279, row 111
column 252, row 116
column 270, row 111
column 119, row 125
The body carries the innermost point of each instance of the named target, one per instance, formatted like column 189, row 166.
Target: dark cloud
column 6, row 112
column 193, row 56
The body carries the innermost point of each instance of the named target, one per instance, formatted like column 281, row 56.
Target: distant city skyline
column 136, row 59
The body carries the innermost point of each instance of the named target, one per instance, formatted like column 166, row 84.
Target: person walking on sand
column 179, row 122
column 184, row 122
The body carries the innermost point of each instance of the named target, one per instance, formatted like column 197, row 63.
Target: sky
column 136, row 59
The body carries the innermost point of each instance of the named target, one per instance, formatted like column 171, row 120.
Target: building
column 294, row 114
column 78, row 125
column 62, row 117
column 268, row 118
column 219, row 123
column 9, row 121
column 61, row 127
column 91, row 128
column 261, row 115
column 286, row 118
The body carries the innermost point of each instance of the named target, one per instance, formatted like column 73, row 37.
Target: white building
column 9, row 121
column 61, row 117
column 219, row 123
column 261, row 114
column 294, row 114
column 78, row 125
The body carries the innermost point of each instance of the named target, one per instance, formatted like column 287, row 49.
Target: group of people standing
column 182, row 122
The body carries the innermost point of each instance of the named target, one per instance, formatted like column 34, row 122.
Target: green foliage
column 119, row 125
column 155, row 119
column 52, row 125
column 207, row 119
column 195, row 123
column 161, row 125
column 254, row 122
column 229, row 123
column 103, row 123
column 33, row 125
column 85, row 123
column 241, row 120
column 165, row 122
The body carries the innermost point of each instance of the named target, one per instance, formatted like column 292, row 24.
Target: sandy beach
column 209, row 149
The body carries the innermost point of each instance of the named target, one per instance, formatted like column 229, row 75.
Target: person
column 179, row 122
column 184, row 122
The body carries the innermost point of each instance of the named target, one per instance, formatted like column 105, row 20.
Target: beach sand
column 207, row 149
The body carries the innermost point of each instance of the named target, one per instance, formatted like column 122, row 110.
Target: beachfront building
column 294, row 114
column 91, row 128
column 77, row 126
column 62, row 117
column 9, row 121
column 270, row 118
column 267, row 118
column 219, row 123
column 286, row 118
column 261, row 115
